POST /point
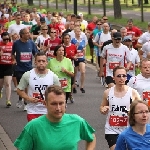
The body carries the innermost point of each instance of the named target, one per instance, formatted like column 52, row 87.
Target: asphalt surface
column 86, row 105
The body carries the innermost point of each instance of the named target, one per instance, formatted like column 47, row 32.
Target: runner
column 6, row 64
column 116, row 54
column 36, row 80
column 22, row 52
column 141, row 82
column 134, row 56
column 63, row 68
column 115, row 103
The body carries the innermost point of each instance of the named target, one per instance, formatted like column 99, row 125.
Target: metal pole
column 142, row 14
column 75, row 7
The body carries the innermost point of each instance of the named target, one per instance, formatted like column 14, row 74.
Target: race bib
column 25, row 56
column 131, row 67
column 112, row 65
column 63, row 82
column 38, row 96
column 118, row 120
column 146, row 97
column 50, row 54
column 80, row 54
column 6, row 58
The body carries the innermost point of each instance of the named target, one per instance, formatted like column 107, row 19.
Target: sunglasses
column 5, row 39
column 121, row 75
column 99, row 24
column 53, row 32
column 117, row 39
column 44, row 29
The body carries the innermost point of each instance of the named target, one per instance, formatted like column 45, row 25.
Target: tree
column 117, row 9
column 104, row 7
column 30, row 2
column 145, row 1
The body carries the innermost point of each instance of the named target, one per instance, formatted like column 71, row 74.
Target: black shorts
column 76, row 63
column 14, row 72
column 90, row 42
column 111, row 139
column 5, row 70
column 109, row 80
column 19, row 75
column 72, row 81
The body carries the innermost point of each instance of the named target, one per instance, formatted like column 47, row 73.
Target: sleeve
column 144, row 46
column 71, row 68
column 85, row 38
column 131, row 82
column 137, row 59
column 37, row 40
column 121, row 143
column 9, row 30
column 86, row 131
column 34, row 49
column 96, row 38
column 24, row 81
column 140, row 40
column 56, row 80
column 25, row 139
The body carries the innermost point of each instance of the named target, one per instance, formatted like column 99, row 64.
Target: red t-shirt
column 61, row 27
column 91, row 26
column 71, row 51
column 134, row 32
column 2, row 22
column 6, row 58
column 53, row 43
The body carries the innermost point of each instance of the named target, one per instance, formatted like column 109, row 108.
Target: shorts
column 76, row 63
column 33, row 116
column 111, row 139
column 90, row 42
column 72, row 81
column 14, row 72
column 19, row 75
column 5, row 70
column 97, row 53
column 109, row 80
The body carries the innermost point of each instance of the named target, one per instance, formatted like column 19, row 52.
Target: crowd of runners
column 40, row 48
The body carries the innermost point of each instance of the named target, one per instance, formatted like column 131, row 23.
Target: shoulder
column 73, row 117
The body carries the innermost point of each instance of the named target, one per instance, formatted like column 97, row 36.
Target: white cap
column 80, row 14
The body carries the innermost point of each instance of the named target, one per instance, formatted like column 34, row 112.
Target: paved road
column 86, row 105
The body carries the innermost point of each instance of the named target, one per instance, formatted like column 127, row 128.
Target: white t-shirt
column 135, row 59
column 14, row 28
column 40, row 39
column 101, row 38
column 145, row 37
column 83, row 36
column 142, row 85
column 146, row 49
column 115, row 57
column 85, row 23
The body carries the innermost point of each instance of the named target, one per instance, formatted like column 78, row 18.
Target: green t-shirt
column 56, row 66
column 41, row 134
column 42, row 11
column 14, row 9
column 27, row 23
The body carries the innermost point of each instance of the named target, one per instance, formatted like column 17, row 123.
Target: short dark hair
column 4, row 34
column 41, row 53
column 55, row 89
column 117, row 68
column 73, row 15
column 56, row 49
column 132, row 111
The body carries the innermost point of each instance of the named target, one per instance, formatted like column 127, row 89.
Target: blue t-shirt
column 23, row 52
column 130, row 140
column 81, row 45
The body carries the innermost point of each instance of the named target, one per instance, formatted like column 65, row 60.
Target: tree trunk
column 104, row 7
column 117, row 9
column 56, row 4
column 145, row 1
column 30, row 2
column 47, row 3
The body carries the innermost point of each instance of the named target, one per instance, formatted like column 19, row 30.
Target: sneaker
column 8, row 103
column 74, row 90
column 82, row 90
column 92, row 61
column 77, row 84
column 19, row 104
column 25, row 108
column 1, row 95
column 15, row 89
column 71, row 99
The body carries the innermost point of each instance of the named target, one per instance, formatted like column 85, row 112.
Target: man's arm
column 91, row 145
column 136, row 95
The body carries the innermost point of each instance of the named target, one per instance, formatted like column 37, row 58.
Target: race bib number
column 146, row 97
column 131, row 67
column 38, row 96
column 63, row 82
column 6, row 58
column 118, row 120
column 112, row 65
column 25, row 56
column 80, row 55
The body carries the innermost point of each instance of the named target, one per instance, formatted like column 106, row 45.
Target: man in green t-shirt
column 56, row 130
column 14, row 7
column 42, row 10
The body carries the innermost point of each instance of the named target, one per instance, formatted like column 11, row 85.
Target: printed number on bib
column 131, row 67
column 38, row 96
column 146, row 97
column 80, row 55
column 118, row 120
column 112, row 65
column 50, row 54
column 63, row 82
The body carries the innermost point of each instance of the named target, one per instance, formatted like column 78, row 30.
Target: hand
column 33, row 99
column 14, row 62
column 104, row 110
